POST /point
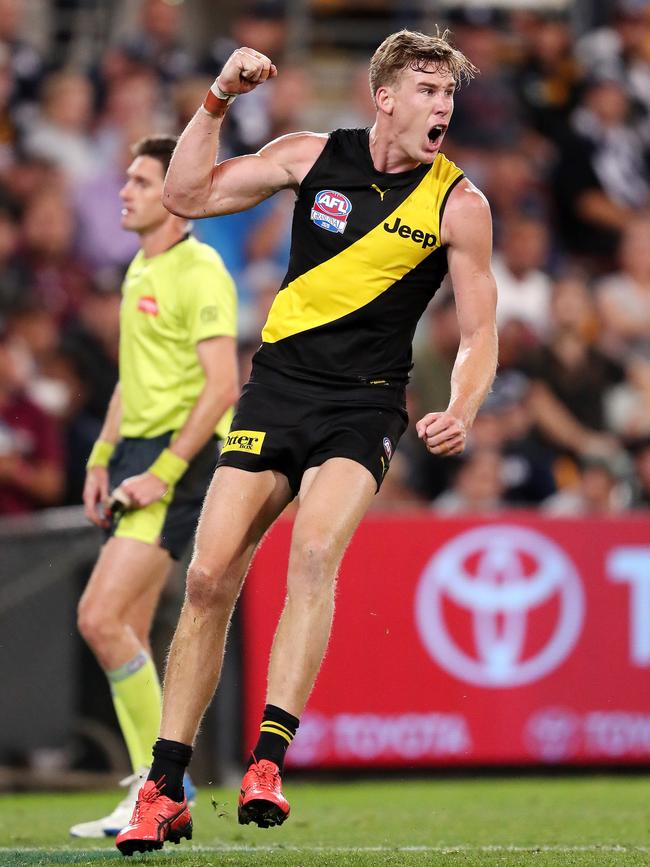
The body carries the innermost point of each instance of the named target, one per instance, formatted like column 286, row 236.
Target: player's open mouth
column 436, row 133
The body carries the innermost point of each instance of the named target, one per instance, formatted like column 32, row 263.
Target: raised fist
column 244, row 70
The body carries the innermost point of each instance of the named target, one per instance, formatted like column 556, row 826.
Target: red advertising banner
column 515, row 640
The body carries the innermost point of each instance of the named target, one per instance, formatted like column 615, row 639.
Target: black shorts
column 289, row 426
column 169, row 522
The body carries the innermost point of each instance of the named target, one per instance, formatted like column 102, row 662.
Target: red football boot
column 260, row 798
column 155, row 818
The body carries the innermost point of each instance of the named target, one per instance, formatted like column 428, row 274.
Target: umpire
column 157, row 449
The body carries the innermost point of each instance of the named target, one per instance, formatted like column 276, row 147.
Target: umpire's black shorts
column 288, row 425
column 171, row 521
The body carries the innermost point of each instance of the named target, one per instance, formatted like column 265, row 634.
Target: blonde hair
column 409, row 49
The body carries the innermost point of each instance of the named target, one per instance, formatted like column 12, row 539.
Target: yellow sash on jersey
column 370, row 266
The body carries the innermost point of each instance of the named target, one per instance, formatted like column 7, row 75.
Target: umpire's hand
column 96, row 494
column 143, row 490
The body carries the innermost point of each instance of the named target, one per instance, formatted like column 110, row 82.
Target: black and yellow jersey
column 365, row 261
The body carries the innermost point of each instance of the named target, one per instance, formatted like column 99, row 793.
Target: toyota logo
column 495, row 580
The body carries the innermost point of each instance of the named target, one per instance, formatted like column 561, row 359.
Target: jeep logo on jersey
column 425, row 239
column 331, row 211
column 244, row 441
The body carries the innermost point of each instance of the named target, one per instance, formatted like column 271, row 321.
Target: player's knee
column 210, row 588
column 97, row 627
column 315, row 561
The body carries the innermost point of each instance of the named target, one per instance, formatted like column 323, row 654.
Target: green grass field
column 542, row 821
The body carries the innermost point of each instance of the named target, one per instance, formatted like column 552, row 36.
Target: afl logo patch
column 388, row 448
column 331, row 210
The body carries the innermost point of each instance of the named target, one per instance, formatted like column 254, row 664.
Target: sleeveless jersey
column 365, row 261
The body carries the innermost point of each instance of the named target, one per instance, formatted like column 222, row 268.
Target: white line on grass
column 334, row 850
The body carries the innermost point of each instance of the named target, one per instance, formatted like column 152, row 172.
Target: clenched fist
column 442, row 433
column 243, row 71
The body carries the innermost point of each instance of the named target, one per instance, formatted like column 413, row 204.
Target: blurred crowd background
column 555, row 131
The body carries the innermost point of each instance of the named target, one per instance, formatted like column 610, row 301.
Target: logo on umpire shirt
column 331, row 210
column 244, row 441
column 148, row 304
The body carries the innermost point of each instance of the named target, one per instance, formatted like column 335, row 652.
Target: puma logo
column 382, row 193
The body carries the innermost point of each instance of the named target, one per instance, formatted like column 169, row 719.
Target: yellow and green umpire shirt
column 170, row 302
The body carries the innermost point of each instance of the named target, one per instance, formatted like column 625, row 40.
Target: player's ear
column 385, row 99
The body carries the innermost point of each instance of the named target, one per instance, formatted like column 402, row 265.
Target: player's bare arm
column 96, row 485
column 218, row 359
column 197, row 185
column 467, row 232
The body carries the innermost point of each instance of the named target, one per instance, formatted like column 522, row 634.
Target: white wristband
column 219, row 93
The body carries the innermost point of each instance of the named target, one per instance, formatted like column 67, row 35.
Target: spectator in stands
column 91, row 342
column 292, row 96
column 269, row 239
column 359, row 110
column 573, row 308
column 158, row 43
column 57, row 278
column 548, row 76
column 486, row 115
column 33, row 331
column 185, row 95
column 8, row 128
column 29, row 176
column 514, row 187
column 627, row 405
column 641, row 454
column 527, row 465
column 13, row 277
column 262, row 24
column 570, row 376
column 524, row 287
column 621, row 49
column 434, row 353
column 90, row 346
column 33, row 335
column 516, row 344
column 31, row 458
column 131, row 110
column 26, row 65
column 133, row 103
column 101, row 242
column 477, row 487
column 624, row 297
column 599, row 491
column 602, row 178
column 61, row 133
column 263, row 277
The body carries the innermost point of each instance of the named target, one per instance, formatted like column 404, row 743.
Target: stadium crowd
column 555, row 131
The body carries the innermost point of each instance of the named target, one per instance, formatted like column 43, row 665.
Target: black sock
column 276, row 733
column 170, row 759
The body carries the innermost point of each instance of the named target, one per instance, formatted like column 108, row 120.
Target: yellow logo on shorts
column 244, row 441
